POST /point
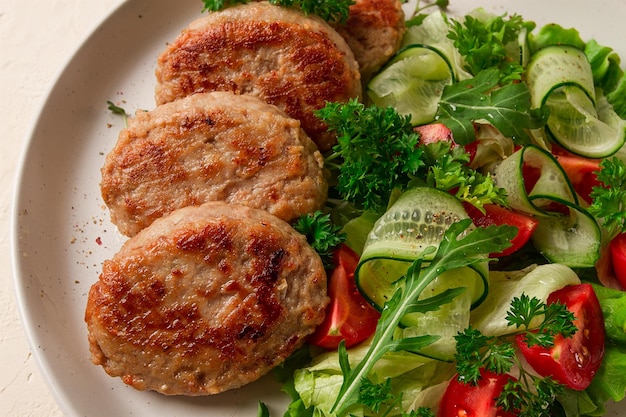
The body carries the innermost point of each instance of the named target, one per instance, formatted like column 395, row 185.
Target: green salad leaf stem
column 459, row 247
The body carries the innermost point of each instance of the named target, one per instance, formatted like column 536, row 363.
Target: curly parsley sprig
column 322, row 234
column 483, row 43
column 459, row 247
column 335, row 11
column 528, row 395
column 378, row 151
column 609, row 199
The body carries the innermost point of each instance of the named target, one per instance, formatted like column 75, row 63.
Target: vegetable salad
column 474, row 234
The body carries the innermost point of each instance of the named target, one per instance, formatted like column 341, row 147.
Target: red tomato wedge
column 478, row 400
column 349, row 316
column 617, row 249
column 582, row 173
column 498, row 215
column 434, row 132
column 575, row 360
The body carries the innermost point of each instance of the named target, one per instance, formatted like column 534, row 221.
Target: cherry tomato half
column 498, row 215
column 349, row 316
column 575, row 360
column 434, row 132
column 617, row 248
column 582, row 173
column 478, row 400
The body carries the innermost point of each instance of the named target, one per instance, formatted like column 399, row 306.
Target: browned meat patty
column 295, row 62
column 211, row 146
column 206, row 299
column 374, row 32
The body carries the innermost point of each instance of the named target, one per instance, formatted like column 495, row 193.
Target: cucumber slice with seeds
column 581, row 119
column 412, row 82
column 417, row 220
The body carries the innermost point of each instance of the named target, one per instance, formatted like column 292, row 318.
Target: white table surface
column 36, row 40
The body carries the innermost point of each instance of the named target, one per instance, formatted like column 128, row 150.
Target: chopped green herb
column 609, row 200
column 321, row 234
column 329, row 10
column 115, row 109
column 528, row 395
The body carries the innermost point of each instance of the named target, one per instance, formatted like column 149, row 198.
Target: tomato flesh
column 478, row 400
column 349, row 316
column 582, row 173
column 498, row 215
column 617, row 248
column 575, row 360
column 434, row 132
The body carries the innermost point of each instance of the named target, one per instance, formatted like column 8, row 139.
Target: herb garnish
column 418, row 15
column 335, row 11
column 321, row 233
column 609, row 200
column 507, row 108
column 378, row 151
column 115, row 109
column 529, row 395
column 483, row 43
column 459, row 247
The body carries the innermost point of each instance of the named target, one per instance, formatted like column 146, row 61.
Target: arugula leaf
column 609, row 200
column 329, row 10
column 321, row 233
column 479, row 99
column 459, row 247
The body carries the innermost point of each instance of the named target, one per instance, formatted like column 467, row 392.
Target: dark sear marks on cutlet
column 374, row 32
column 207, row 147
column 295, row 62
column 206, row 299
column 214, row 288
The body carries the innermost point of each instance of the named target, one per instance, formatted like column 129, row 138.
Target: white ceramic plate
column 62, row 233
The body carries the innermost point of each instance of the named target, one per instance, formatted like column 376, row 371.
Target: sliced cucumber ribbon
column 566, row 233
column 416, row 221
column 413, row 82
column 581, row 118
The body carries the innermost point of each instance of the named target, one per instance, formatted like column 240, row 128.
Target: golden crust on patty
column 295, row 62
column 204, row 300
column 374, row 32
column 211, row 146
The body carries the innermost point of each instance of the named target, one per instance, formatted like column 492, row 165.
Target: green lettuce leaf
column 554, row 34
